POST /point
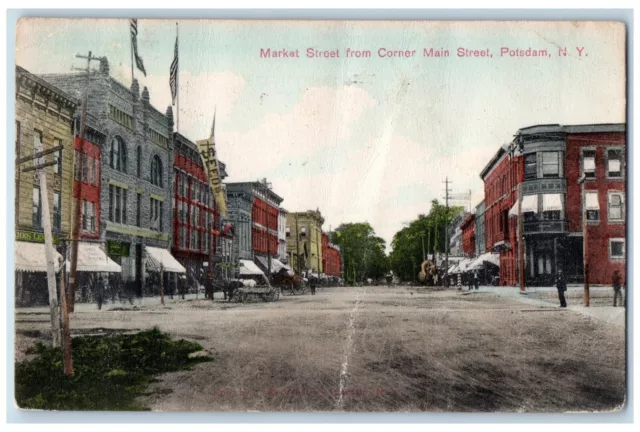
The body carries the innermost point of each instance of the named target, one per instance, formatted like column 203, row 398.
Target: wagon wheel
column 298, row 289
column 242, row 296
column 270, row 295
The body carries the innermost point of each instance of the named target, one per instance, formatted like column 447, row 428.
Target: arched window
column 156, row 171
column 139, row 161
column 118, row 154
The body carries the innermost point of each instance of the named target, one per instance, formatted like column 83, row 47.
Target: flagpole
column 131, row 49
column 178, row 82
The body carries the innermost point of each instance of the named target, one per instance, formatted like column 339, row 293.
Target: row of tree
column 419, row 240
column 364, row 256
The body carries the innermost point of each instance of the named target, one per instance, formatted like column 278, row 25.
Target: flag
column 173, row 75
column 134, row 44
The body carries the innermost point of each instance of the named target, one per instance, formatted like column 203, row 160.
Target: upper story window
column 139, row 161
column 589, row 163
column 156, row 171
column 550, row 164
column 616, row 206
column 36, row 212
column 118, row 154
column 57, row 158
column 614, row 163
column 530, row 166
column 592, row 207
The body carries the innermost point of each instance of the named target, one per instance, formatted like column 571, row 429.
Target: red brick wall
column 468, row 228
column 90, row 192
column 501, row 193
column 601, row 267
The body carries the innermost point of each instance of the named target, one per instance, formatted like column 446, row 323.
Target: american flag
column 173, row 74
column 134, row 44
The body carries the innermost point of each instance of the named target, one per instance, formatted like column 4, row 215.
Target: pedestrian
column 476, row 279
column 617, row 288
column 312, row 283
column 561, row 285
column 469, row 281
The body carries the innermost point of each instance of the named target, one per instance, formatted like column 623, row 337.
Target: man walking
column 617, row 288
column 561, row 285
column 476, row 279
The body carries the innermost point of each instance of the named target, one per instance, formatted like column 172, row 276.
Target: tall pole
column 178, row 85
column 585, row 246
column 54, row 306
column 446, row 230
column 424, row 256
column 130, row 49
column 75, row 228
column 297, row 245
column 66, row 331
column 521, row 251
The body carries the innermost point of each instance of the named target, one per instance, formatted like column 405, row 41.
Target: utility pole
column 424, row 256
column 75, row 227
column 39, row 165
column 585, row 245
column 446, row 230
column 298, row 246
column 521, row 270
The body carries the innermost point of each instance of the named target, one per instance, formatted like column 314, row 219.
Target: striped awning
column 161, row 260
column 93, row 259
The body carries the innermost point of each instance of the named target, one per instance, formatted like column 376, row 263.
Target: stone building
column 305, row 241
column 253, row 209
column 136, row 180
column 282, row 236
column 43, row 120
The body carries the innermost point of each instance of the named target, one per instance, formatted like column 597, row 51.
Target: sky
column 362, row 139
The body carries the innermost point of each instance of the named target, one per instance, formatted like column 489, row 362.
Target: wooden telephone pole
column 446, row 230
column 77, row 220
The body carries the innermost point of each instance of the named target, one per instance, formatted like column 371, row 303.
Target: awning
column 93, row 259
column 32, row 257
column 552, row 202
column 513, row 211
column 248, row 268
column 486, row 257
column 530, row 203
column 276, row 265
column 591, row 199
column 161, row 260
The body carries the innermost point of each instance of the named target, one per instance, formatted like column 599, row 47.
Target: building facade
column 282, row 235
column 480, row 234
column 254, row 212
column 196, row 218
column 44, row 120
column 137, row 161
column 331, row 259
column 455, row 234
column 468, row 228
column 501, row 177
column 305, row 241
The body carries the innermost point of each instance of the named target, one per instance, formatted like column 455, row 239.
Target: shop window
column 614, row 163
column 551, row 215
column 616, row 206
column 616, row 248
column 530, row 166
column 36, row 212
column 118, row 155
column 57, row 215
column 589, row 163
column 156, row 171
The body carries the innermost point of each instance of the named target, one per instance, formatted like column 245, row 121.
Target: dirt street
column 374, row 349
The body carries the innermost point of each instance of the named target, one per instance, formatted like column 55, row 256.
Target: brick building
column 196, row 217
column 44, row 119
column 254, row 212
column 548, row 161
column 501, row 177
column 479, row 230
column 282, row 235
column 305, row 241
column 468, row 228
column 136, row 181
column 331, row 260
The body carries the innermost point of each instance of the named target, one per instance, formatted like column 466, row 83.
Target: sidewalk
column 547, row 297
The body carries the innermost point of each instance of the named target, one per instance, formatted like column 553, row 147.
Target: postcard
column 320, row 216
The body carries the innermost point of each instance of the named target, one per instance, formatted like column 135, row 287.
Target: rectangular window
column 118, row 203
column 88, row 216
column 196, row 191
column 616, row 248
column 192, row 244
column 616, row 206
column 36, row 213
column 589, row 163
column 550, row 164
column 138, row 205
column 551, row 215
column 124, row 206
column 57, row 216
column 530, row 166
column 57, row 158
column 592, row 206
column 156, row 214
column 85, row 168
column 614, row 163
column 91, row 170
column 111, row 203
column 183, row 237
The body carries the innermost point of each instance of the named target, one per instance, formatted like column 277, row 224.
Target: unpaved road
column 375, row 349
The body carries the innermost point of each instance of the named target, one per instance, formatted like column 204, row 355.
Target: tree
column 363, row 254
column 420, row 239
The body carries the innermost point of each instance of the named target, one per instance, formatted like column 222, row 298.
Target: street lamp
column 585, row 246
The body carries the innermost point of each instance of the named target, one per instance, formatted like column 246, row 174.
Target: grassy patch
column 109, row 371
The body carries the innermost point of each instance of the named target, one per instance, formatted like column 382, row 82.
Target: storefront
column 30, row 262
